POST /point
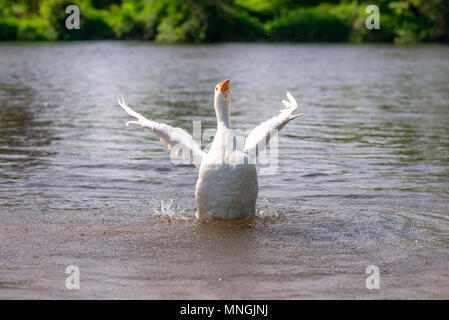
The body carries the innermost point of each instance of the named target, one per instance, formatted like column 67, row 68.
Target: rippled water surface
column 362, row 179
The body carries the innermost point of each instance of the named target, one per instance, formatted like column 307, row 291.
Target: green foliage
column 229, row 24
column 401, row 21
column 104, row 4
column 35, row 29
column 361, row 34
column 8, row 28
column 409, row 26
column 181, row 22
column 321, row 23
column 93, row 23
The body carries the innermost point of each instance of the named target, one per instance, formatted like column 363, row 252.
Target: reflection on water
column 363, row 177
column 23, row 137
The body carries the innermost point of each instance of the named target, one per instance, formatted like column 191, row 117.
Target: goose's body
column 227, row 184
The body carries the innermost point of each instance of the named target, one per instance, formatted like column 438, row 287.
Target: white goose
column 227, row 185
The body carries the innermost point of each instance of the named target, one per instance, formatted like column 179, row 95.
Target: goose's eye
column 216, row 88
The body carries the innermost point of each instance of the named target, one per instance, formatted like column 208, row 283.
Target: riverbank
column 182, row 21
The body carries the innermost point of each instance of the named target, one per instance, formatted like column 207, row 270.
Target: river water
column 362, row 178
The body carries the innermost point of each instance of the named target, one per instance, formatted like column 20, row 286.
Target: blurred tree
column 103, row 4
column 402, row 21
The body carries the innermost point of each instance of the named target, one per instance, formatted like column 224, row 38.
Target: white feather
column 260, row 136
column 168, row 135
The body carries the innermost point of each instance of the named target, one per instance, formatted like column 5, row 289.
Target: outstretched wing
column 259, row 138
column 171, row 137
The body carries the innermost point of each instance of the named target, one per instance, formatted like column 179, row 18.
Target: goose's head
column 222, row 101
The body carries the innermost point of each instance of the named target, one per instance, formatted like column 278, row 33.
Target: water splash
column 267, row 210
column 173, row 210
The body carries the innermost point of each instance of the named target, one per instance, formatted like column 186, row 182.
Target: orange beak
column 224, row 86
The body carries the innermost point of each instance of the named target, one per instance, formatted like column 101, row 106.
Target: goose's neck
column 224, row 123
column 223, row 113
